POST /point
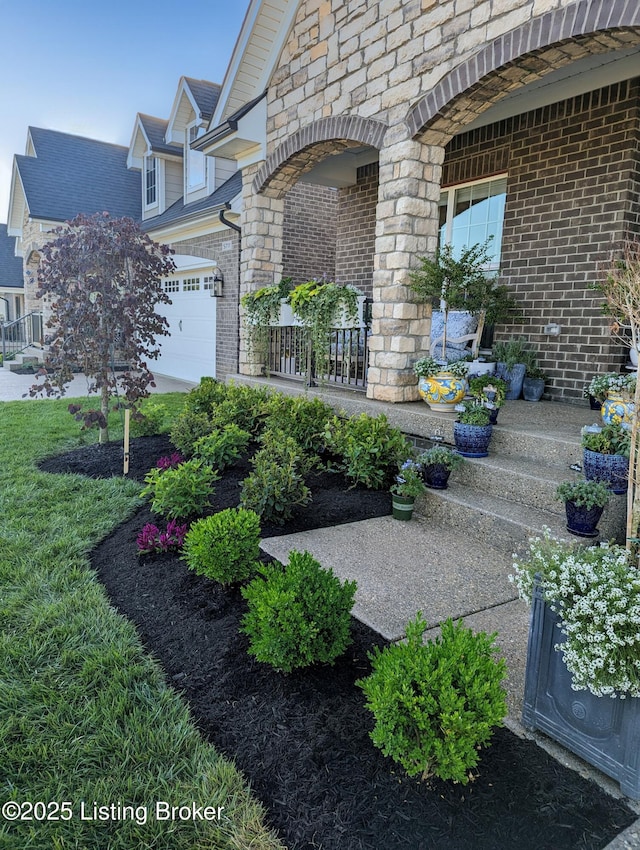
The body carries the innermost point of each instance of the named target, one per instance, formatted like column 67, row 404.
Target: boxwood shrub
column 225, row 546
column 436, row 704
column 298, row 614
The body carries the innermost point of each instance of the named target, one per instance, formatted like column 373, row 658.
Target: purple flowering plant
column 151, row 539
column 170, row 461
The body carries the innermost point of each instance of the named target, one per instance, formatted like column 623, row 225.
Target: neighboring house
column 450, row 121
column 60, row 176
column 11, row 280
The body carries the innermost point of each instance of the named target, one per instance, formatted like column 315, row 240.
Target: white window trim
column 451, row 194
column 189, row 189
column 156, row 201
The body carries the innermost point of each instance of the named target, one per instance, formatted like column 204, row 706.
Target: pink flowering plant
column 151, row 540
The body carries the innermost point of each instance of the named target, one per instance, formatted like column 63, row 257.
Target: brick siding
column 309, row 231
column 356, row 237
column 571, row 197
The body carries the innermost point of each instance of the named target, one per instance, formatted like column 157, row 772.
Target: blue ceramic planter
column 582, row 521
column 602, row 731
column 613, row 470
column 472, row 440
column 514, row 377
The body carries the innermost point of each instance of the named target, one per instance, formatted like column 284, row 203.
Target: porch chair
column 463, row 334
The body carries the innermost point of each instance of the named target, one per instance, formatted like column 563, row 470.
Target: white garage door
column 190, row 352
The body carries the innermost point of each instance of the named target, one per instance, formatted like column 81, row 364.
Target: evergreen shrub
column 182, row 491
column 225, row 546
column 436, row 704
column 298, row 614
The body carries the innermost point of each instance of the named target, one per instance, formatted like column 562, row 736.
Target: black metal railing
column 21, row 333
column 291, row 356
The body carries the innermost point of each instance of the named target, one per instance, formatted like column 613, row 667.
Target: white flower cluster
column 596, row 593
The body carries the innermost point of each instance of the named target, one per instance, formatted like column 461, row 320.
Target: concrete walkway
column 405, row 567
column 16, row 387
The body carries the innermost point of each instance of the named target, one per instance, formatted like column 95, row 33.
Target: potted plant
column 605, row 454
column 584, row 502
column 438, row 463
column 472, row 430
column 614, row 394
column 513, row 356
column 262, row 309
column 464, row 283
column 406, row 488
column 582, row 685
column 440, row 384
column 490, row 391
column 533, row 384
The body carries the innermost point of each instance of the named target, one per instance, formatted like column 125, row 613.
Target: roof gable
column 195, row 100
column 149, row 136
column 73, row 174
column 255, row 56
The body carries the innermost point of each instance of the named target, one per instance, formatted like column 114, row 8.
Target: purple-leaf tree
column 101, row 277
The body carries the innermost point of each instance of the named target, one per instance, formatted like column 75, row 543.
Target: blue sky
column 88, row 68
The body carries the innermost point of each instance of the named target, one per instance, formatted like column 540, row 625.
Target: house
column 58, row 177
column 11, row 282
column 451, row 121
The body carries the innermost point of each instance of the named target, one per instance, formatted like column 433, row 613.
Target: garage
column 189, row 353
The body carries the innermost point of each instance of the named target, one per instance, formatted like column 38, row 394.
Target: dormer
column 159, row 162
column 192, row 109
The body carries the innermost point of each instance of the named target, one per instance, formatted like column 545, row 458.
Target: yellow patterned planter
column 442, row 391
column 617, row 408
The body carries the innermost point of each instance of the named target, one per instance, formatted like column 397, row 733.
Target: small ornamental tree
column 102, row 277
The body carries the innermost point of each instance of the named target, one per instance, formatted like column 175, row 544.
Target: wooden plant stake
column 127, row 415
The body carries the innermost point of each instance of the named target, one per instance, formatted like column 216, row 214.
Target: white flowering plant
column 596, row 593
column 611, row 382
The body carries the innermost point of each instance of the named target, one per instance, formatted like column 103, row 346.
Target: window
column 471, row 213
column 196, row 167
column 191, row 284
column 171, row 285
column 150, row 180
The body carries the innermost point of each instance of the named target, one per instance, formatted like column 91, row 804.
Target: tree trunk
column 104, row 408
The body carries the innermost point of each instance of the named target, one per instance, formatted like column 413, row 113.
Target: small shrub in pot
column 438, row 463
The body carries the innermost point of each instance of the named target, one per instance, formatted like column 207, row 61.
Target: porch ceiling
column 583, row 75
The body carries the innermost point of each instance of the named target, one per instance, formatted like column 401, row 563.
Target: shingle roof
column 73, row 174
column 205, row 94
column 156, row 131
column 10, row 265
column 219, row 199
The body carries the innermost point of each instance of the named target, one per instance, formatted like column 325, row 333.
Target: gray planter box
column 604, row 732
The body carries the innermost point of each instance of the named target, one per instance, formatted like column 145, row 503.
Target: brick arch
column 520, row 56
column 309, row 146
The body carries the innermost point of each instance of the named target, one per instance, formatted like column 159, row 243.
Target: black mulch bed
column 302, row 740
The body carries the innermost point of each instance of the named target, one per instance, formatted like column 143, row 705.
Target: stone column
column 407, row 227
column 261, row 252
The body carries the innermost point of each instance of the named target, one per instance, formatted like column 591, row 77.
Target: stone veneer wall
column 211, row 247
column 571, row 198
column 309, row 232
column 356, row 237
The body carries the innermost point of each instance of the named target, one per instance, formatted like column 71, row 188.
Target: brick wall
column 571, row 196
column 309, row 232
column 355, row 247
column 223, row 247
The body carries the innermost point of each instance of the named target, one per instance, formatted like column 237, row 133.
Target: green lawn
column 85, row 714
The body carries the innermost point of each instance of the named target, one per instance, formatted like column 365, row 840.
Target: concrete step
column 517, row 479
column 507, row 524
